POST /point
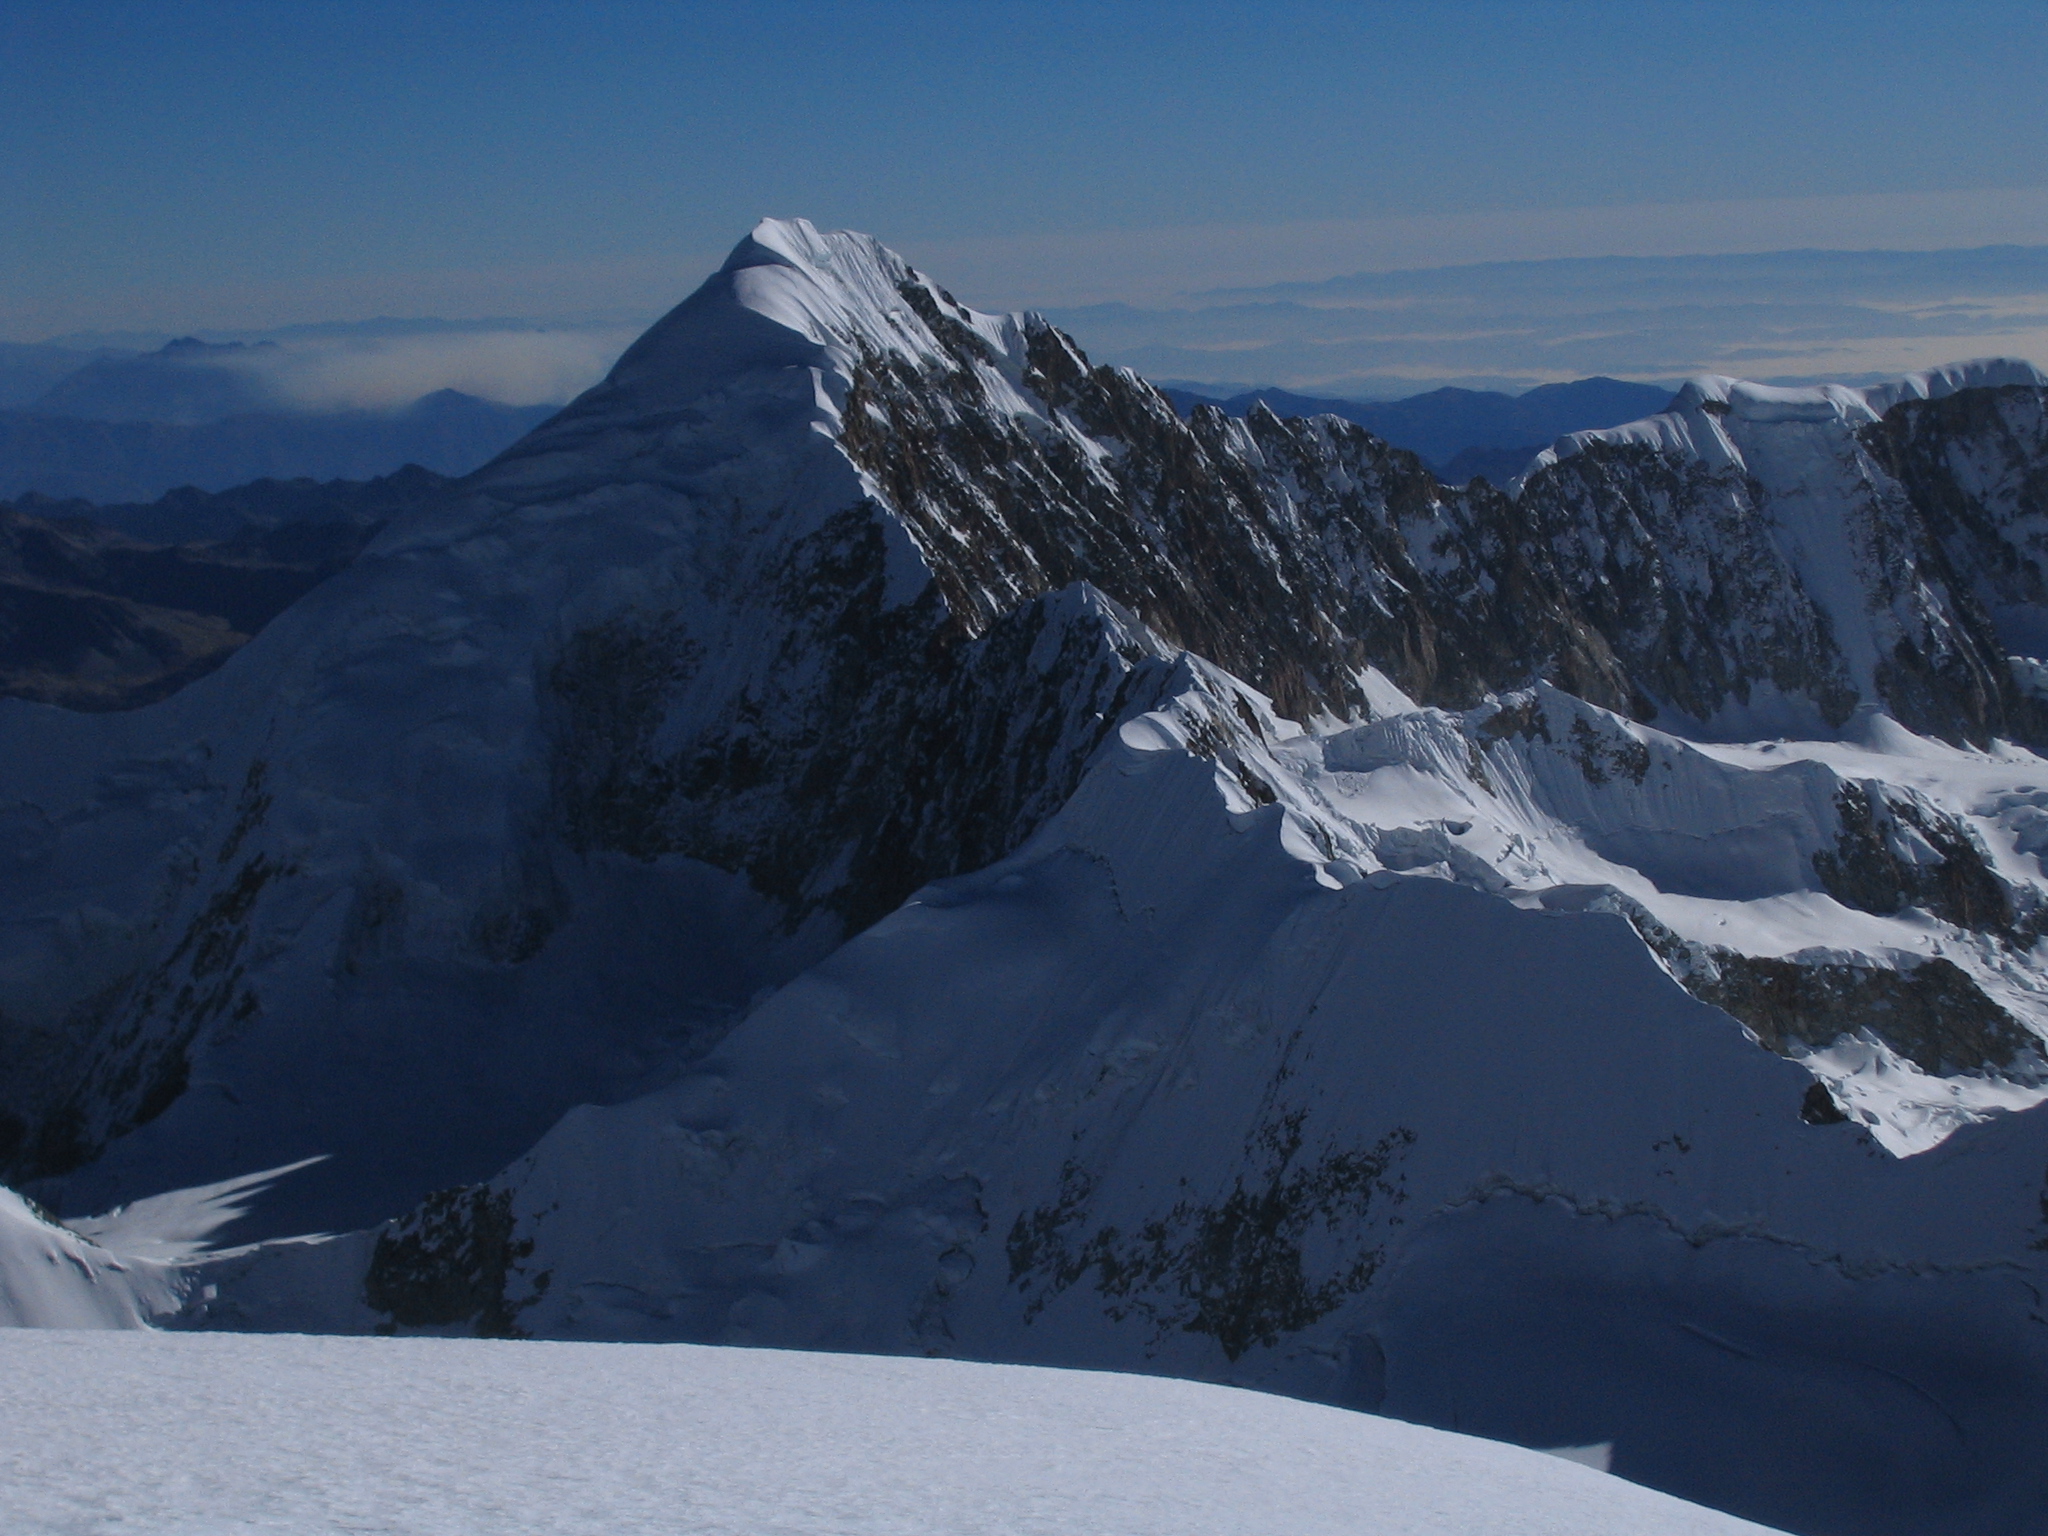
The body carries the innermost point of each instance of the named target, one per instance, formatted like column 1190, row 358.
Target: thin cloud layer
column 1776, row 315
column 512, row 367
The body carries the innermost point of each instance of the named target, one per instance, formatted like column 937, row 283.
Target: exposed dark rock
column 449, row 1263
column 126, row 1051
column 1818, row 1107
column 1933, row 1013
column 1975, row 466
column 1895, row 851
column 1668, row 561
column 910, row 754
column 1603, row 755
column 1232, row 1268
column 1281, row 550
column 1293, row 552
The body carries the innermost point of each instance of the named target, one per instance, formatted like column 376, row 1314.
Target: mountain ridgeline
column 1464, row 432
column 1297, row 553
column 193, row 415
column 869, row 831
column 95, row 616
column 884, row 678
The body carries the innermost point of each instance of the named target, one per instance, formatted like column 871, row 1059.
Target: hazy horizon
column 1163, row 179
column 1777, row 317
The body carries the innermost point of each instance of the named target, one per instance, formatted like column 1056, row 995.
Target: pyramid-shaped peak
column 825, row 254
column 793, row 295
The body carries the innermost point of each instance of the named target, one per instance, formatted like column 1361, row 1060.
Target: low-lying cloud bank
column 512, row 367
column 378, row 365
column 1786, row 315
column 1782, row 316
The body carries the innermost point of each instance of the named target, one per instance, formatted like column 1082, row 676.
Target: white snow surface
column 1714, row 841
column 1713, row 416
column 117, row 1270
column 51, row 1277
column 431, row 1437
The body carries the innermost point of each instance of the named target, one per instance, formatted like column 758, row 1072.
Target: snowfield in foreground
column 183, row 1434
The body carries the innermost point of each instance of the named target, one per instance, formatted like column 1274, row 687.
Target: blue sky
column 179, row 166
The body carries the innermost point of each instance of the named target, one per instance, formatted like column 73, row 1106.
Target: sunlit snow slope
column 435, row 1438
column 118, row 1270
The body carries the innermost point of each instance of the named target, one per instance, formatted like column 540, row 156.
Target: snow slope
column 401, row 885
column 1170, row 1090
column 427, row 1437
column 120, row 1270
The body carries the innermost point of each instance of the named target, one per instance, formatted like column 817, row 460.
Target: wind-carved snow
column 1548, row 802
column 1709, row 414
column 123, row 1269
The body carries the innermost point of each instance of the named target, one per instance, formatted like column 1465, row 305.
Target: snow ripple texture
column 452, row 1438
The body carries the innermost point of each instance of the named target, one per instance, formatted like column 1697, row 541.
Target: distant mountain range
column 1791, row 316
column 113, row 607
column 129, row 461
column 128, row 427
column 28, row 370
column 1465, row 432
column 113, row 426
column 186, row 382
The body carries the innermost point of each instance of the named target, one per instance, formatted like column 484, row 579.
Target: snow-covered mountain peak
column 1005, row 869
column 792, row 296
column 840, row 284
column 1937, row 383
column 1710, row 416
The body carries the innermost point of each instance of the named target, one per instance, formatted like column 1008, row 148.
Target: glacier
column 867, row 832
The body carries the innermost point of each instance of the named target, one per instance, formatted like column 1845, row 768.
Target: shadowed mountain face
column 29, row 370
column 130, row 427
column 186, row 383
